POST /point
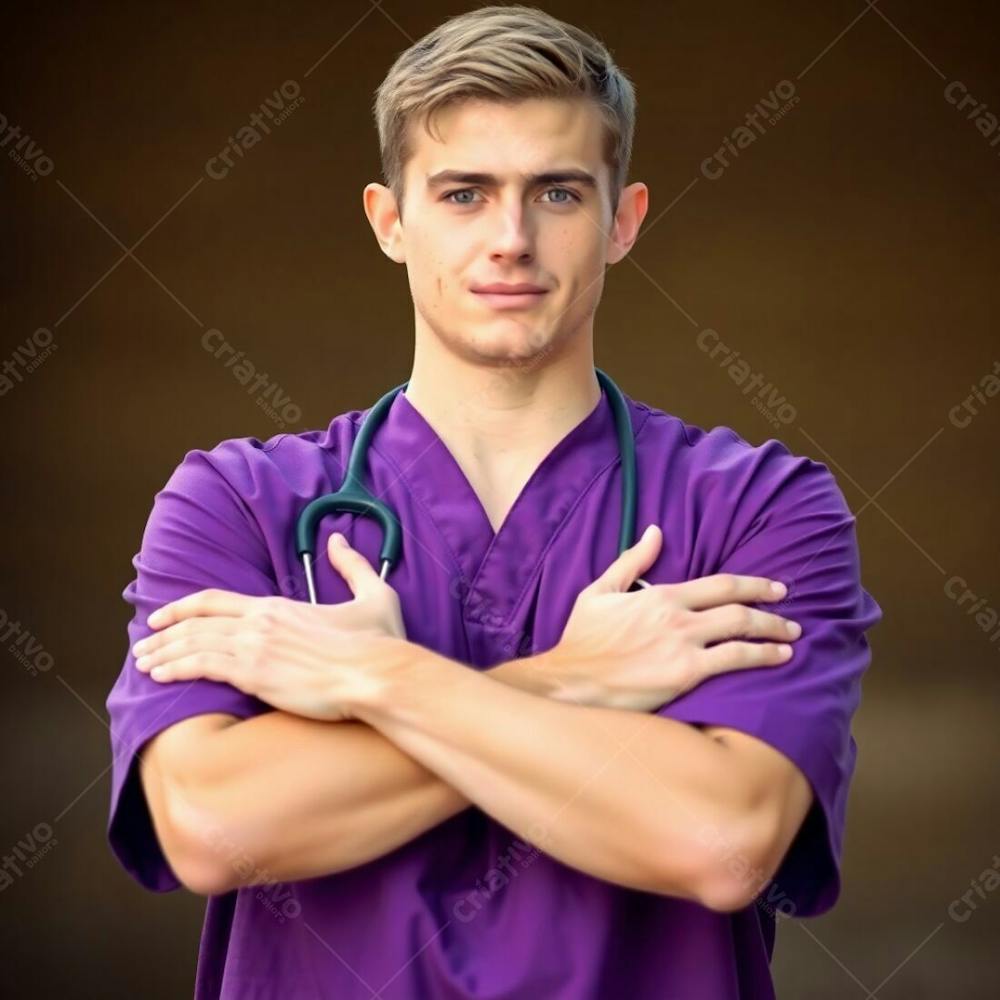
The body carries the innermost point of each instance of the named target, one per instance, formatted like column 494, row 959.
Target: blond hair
column 506, row 54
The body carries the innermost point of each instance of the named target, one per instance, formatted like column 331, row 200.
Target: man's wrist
column 550, row 675
column 394, row 665
column 391, row 664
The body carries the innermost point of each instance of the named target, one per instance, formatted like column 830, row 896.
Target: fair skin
column 500, row 388
column 416, row 736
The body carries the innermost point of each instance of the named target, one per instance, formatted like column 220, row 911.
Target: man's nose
column 513, row 238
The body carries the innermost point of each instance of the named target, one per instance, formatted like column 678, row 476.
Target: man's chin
column 510, row 350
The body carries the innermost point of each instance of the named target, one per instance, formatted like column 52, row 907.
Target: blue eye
column 572, row 196
column 450, row 196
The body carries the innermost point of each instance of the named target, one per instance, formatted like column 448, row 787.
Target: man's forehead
column 514, row 143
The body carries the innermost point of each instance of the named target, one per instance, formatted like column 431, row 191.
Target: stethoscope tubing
column 353, row 496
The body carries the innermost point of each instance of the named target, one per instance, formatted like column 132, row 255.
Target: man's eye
column 572, row 195
column 451, row 195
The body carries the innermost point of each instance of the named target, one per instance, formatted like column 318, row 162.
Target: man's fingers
column 191, row 635
column 211, row 666
column 356, row 570
column 203, row 602
column 738, row 621
column 738, row 655
column 631, row 564
column 189, row 627
column 726, row 588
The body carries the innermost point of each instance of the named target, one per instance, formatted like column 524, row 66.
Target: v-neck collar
column 497, row 568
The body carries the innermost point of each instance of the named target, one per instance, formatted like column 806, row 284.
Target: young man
column 499, row 772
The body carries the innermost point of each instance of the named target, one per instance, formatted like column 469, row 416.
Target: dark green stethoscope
column 355, row 498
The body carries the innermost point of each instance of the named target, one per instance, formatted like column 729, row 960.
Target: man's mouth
column 500, row 296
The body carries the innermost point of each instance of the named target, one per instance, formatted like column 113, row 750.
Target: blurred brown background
column 849, row 254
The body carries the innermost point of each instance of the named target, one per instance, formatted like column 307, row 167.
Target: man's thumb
column 631, row 564
column 350, row 564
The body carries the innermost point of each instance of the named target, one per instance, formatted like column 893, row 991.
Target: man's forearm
column 621, row 795
column 299, row 798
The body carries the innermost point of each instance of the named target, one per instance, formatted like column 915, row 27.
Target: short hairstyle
column 506, row 54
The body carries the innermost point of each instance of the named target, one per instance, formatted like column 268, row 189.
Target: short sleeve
column 799, row 530
column 199, row 534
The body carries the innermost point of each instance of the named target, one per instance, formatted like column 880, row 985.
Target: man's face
column 459, row 234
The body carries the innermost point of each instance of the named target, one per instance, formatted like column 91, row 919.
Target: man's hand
column 301, row 658
column 375, row 606
column 641, row 650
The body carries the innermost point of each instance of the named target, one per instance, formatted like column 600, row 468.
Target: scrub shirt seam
column 494, row 541
column 246, row 512
column 420, row 503
column 270, row 446
column 650, row 412
column 637, row 431
column 372, row 447
column 562, row 524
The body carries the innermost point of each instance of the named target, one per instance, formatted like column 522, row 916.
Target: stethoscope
column 354, row 497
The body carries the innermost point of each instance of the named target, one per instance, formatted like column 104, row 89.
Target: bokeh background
column 849, row 253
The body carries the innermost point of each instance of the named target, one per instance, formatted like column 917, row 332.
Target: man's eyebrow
column 443, row 177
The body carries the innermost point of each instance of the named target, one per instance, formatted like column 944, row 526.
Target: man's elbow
column 195, row 860
column 734, row 868
column 725, row 894
column 188, row 852
column 217, row 853
column 200, row 878
column 186, row 824
column 192, row 838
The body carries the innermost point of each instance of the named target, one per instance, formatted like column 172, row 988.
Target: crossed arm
column 298, row 797
column 631, row 798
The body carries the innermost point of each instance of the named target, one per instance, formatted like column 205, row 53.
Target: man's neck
column 500, row 423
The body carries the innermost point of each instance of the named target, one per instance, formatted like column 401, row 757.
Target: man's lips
column 511, row 288
column 510, row 300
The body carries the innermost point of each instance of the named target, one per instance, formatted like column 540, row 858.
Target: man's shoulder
column 240, row 459
column 737, row 473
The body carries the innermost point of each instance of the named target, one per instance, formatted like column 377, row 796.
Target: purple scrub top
column 467, row 909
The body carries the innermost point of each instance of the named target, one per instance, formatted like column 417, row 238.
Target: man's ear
column 632, row 207
column 383, row 215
